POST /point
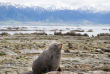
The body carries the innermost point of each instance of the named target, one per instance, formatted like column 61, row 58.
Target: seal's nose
column 60, row 46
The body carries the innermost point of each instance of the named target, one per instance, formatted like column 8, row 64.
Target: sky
column 96, row 5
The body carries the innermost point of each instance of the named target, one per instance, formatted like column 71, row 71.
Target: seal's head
column 55, row 47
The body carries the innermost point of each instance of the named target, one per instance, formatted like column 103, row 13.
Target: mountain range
column 18, row 12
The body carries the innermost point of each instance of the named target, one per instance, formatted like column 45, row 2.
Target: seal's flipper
column 59, row 69
column 45, row 70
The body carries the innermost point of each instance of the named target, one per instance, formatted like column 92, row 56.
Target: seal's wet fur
column 49, row 60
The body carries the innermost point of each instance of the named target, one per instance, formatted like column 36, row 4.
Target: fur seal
column 49, row 60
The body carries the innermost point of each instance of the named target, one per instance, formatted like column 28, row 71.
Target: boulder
column 105, row 50
column 67, row 51
column 70, row 45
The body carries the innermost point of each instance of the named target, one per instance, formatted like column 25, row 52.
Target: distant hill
column 19, row 13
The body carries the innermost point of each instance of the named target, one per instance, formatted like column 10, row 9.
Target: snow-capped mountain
column 91, row 5
column 56, row 6
column 60, row 12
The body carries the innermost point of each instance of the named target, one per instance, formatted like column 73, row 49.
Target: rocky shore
column 81, row 54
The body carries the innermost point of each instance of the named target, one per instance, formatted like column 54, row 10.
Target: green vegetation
column 4, row 41
column 2, row 53
column 14, row 22
column 10, row 22
column 18, row 57
column 17, row 52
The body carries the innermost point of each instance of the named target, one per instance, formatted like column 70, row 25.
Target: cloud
column 96, row 5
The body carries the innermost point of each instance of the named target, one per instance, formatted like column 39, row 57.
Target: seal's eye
column 55, row 45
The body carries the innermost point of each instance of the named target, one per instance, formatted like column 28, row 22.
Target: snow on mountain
column 92, row 5
column 58, row 5
column 52, row 12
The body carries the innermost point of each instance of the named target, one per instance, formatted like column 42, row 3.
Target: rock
column 2, row 53
column 72, row 33
column 63, row 72
column 67, row 51
column 4, row 34
column 99, row 50
column 70, row 45
column 57, row 33
column 85, row 48
column 106, row 69
column 103, row 34
column 90, row 30
column 41, row 46
column 97, row 72
column 105, row 50
column 53, row 72
column 79, row 30
column 39, row 33
column 108, row 55
column 30, row 72
column 68, row 72
column 86, row 35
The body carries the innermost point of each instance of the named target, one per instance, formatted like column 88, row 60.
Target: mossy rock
column 2, row 53
column 70, row 45
column 18, row 57
column 67, row 51
column 17, row 52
